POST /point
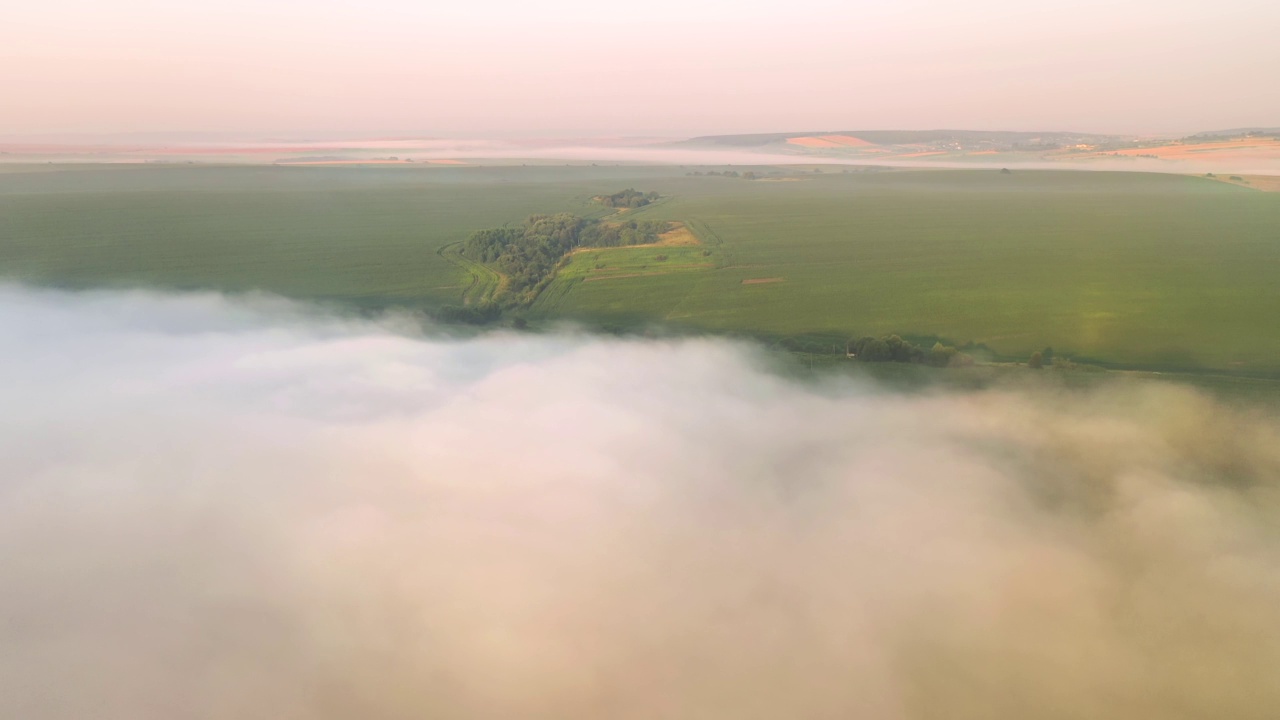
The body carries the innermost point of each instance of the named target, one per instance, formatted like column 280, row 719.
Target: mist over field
column 219, row 507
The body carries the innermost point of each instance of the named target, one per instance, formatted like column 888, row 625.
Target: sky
column 668, row 68
column 237, row 507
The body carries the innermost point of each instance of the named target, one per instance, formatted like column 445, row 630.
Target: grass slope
column 484, row 283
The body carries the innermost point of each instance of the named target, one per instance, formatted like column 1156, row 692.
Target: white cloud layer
column 239, row 509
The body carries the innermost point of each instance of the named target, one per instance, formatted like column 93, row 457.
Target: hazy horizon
column 378, row 140
column 662, row 69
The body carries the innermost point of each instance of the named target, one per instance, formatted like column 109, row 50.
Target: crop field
column 1143, row 270
column 1148, row 270
column 368, row 236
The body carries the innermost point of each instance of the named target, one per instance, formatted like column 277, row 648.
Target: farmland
column 1145, row 270
column 367, row 236
column 1142, row 270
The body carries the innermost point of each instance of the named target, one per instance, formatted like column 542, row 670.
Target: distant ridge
column 1240, row 148
column 1236, row 132
column 906, row 137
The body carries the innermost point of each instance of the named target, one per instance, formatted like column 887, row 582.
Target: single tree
column 1036, row 361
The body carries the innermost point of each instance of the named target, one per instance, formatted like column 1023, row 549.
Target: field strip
column 704, row 232
column 708, row 237
column 678, row 236
column 604, row 272
column 627, row 275
column 486, row 283
column 1261, row 183
column 551, row 296
column 762, row 281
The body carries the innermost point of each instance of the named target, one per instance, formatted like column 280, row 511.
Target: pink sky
column 655, row 67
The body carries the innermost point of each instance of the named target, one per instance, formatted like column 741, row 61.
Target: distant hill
column 1256, row 147
column 951, row 139
column 1239, row 132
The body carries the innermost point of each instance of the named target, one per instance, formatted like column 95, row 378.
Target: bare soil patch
column 1238, row 148
column 829, row 141
column 847, row 140
column 1265, row 183
column 678, row 236
column 619, row 277
column 812, row 142
column 762, row 281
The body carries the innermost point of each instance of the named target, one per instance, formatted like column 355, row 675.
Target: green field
column 1138, row 269
column 368, row 236
column 1144, row 270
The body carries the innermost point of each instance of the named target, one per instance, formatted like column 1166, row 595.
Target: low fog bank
column 683, row 155
column 216, row 508
column 472, row 151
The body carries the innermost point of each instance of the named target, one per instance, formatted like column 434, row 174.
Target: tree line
column 530, row 253
column 727, row 173
column 629, row 198
column 891, row 348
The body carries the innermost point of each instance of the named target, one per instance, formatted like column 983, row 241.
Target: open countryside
column 1139, row 270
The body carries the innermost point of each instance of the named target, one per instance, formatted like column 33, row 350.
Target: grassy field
column 484, row 284
column 366, row 236
column 1156, row 271
column 1146, row 270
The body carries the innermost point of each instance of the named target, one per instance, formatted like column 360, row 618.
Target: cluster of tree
column 1035, row 145
column 529, row 254
column 1232, row 135
column 629, row 198
column 1040, row 358
column 632, row 232
column 892, row 348
column 469, row 314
